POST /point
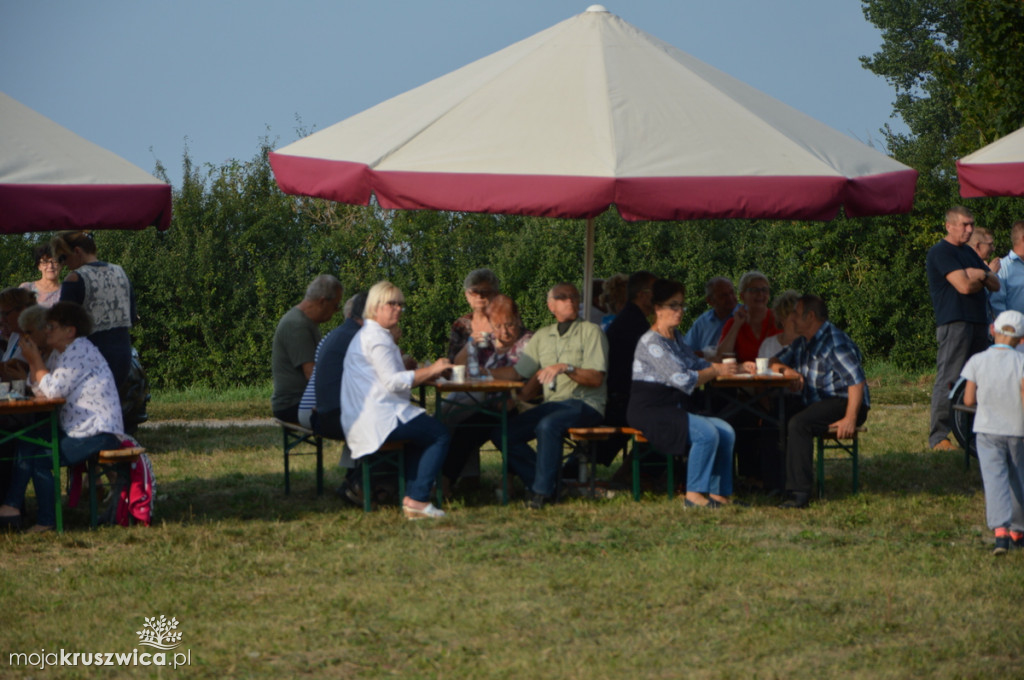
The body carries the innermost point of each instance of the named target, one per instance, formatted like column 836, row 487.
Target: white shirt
column 80, row 375
column 375, row 390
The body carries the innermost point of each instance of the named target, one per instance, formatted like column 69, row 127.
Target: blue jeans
column 1001, row 460
column 709, row 469
column 428, row 446
column 547, row 424
column 34, row 463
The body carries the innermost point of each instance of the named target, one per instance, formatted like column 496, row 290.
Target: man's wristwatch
column 569, row 369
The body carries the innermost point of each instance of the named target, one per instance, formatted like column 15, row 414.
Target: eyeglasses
column 505, row 326
column 49, row 263
column 481, row 292
column 400, row 304
column 675, row 306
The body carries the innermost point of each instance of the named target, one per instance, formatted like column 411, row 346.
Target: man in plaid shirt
column 825, row 363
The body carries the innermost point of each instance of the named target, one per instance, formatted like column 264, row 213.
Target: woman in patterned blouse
column 90, row 420
column 665, row 374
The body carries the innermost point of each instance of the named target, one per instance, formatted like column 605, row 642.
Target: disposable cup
column 458, row 374
column 762, row 365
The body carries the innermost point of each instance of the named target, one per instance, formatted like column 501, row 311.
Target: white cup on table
column 5, row 390
column 762, row 365
column 458, row 374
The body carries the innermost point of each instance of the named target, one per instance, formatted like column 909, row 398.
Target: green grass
column 895, row 582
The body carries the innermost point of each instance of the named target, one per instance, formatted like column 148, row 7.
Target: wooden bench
column 295, row 436
column 108, row 458
column 829, row 441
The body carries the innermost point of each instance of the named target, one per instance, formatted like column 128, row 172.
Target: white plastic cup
column 762, row 365
column 5, row 390
column 458, row 374
column 729, row 360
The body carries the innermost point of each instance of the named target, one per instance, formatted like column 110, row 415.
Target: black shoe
column 710, row 505
column 536, row 501
column 1002, row 545
column 12, row 523
column 350, row 492
column 796, row 501
column 1016, row 541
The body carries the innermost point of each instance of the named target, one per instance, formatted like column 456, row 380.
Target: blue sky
column 144, row 79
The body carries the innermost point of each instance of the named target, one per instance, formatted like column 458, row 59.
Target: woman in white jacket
column 375, row 401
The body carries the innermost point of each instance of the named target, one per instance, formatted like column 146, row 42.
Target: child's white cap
column 1011, row 323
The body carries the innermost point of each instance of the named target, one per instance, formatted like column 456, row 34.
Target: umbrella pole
column 588, row 270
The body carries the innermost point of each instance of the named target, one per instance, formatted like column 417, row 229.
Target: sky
column 146, row 79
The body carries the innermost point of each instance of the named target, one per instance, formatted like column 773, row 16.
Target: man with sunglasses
column 568, row 361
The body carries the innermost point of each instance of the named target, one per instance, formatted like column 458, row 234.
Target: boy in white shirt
column 995, row 382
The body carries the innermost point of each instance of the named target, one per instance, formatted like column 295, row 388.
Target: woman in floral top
column 90, row 420
column 509, row 341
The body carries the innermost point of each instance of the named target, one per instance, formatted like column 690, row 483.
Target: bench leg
column 636, row 469
column 287, row 480
column 820, row 444
column 856, row 464
column 319, row 466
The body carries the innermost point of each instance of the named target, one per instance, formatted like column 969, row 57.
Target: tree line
column 239, row 253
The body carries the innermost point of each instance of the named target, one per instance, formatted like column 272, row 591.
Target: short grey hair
column 380, row 294
column 478, row 276
column 324, row 287
column 784, row 305
column 355, row 306
column 32, row 318
column 714, row 281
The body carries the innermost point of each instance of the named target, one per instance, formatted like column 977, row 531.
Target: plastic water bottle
column 472, row 360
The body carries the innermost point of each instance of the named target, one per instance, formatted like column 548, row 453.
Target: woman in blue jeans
column 90, row 420
column 375, row 406
column 665, row 374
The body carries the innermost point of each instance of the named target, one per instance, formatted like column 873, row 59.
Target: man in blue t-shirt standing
column 957, row 280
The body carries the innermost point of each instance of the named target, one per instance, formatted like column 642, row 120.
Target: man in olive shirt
column 294, row 351
column 568, row 360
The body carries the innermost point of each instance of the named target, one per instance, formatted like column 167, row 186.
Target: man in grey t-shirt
column 294, row 351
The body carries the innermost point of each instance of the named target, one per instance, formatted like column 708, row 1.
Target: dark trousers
column 802, row 429
column 328, row 425
column 958, row 342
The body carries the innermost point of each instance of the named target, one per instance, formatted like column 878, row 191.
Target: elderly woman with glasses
column 47, row 288
column 105, row 292
column 751, row 323
column 90, row 420
column 375, row 407
column 509, row 340
column 480, row 286
column 665, row 373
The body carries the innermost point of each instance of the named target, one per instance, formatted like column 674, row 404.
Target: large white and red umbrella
column 587, row 114
column 994, row 170
column 50, row 178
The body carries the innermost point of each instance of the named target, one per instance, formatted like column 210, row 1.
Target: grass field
column 895, row 582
